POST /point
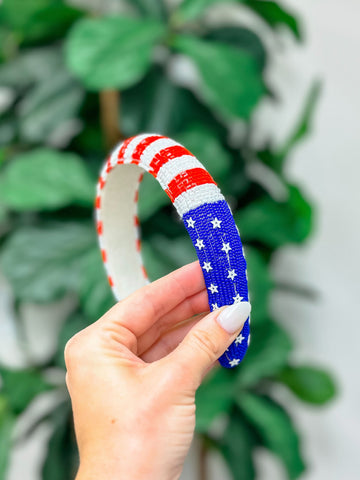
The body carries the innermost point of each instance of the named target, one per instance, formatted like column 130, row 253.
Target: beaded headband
column 200, row 204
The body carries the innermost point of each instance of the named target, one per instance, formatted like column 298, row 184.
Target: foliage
column 56, row 61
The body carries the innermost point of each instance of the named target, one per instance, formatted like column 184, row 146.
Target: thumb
column 209, row 339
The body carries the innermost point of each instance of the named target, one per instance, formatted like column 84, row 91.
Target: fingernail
column 233, row 317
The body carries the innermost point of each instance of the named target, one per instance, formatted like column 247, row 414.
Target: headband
column 203, row 209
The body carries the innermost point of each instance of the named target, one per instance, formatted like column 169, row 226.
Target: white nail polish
column 233, row 317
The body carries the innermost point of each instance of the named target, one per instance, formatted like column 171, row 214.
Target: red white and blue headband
column 200, row 204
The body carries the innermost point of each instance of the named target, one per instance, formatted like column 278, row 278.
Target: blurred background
column 265, row 94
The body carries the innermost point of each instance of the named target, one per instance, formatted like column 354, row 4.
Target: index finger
column 140, row 310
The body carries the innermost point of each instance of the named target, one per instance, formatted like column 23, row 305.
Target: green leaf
column 7, row 423
column 151, row 197
column 43, row 263
column 30, row 67
column 151, row 8
column 275, row 15
column 61, row 461
column 21, row 387
column 237, row 446
column 303, row 127
column 236, row 69
column 275, row 429
column 113, row 52
column 242, row 38
column 45, row 179
column 310, row 384
column 36, row 20
column 96, row 296
column 204, row 144
column 213, row 398
column 158, row 105
column 190, row 9
column 260, row 284
column 48, row 108
column 268, row 354
column 276, row 223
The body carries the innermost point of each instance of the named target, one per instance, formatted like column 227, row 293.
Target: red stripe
column 136, row 197
column 124, row 146
column 101, row 183
column 187, row 180
column 97, row 201
column 138, row 244
column 136, row 221
column 142, row 145
column 144, row 271
column 99, row 227
column 111, row 283
column 103, row 254
column 108, row 165
column 165, row 155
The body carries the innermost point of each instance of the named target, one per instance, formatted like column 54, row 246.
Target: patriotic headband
column 200, row 204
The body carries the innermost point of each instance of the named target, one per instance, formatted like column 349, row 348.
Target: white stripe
column 193, row 198
column 129, row 150
column 175, row 166
column 154, row 148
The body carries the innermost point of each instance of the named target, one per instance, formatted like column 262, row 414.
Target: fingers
column 191, row 306
column 140, row 310
column 207, row 341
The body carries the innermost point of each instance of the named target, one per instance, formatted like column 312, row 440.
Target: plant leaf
column 151, row 8
column 43, row 263
column 275, row 429
column 190, row 9
column 112, row 52
column 49, row 106
column 213, row 398
column 7, row 423
column 151, row 197
column 276, row 223
column 45, row 179
column 204, row 144
column 267, row 354
column 96, row 296
column 36, row 20
column 236, row 69
column 237, row 445
column 260, row 284
column 310, row 384
column 275, row 15
column 242, row 38
column 61, row 459
column 21, row 386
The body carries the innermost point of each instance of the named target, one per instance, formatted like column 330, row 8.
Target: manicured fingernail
column 233, row 317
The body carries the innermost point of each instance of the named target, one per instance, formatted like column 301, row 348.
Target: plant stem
column 109, row 117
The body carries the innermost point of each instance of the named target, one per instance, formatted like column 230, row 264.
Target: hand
column 132, row 377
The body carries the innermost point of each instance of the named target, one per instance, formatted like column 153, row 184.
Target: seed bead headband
column 201, row 206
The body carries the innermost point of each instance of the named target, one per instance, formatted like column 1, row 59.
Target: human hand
column 133, row 374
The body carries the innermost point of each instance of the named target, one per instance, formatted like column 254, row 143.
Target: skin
column 133, row 374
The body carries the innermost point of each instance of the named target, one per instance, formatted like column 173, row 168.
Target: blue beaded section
column 218, row 246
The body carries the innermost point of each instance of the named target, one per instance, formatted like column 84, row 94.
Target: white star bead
column 234, row 362
column 199, row 244
column 226, row 247
column 213, row 288
column 239, row 339
column 237, row 299
column 214, row 306
column 216, row 223
column 207, row 266
column 232, row 274
column 190, row 222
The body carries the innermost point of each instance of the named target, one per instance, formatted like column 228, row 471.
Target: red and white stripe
column 180, row 174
